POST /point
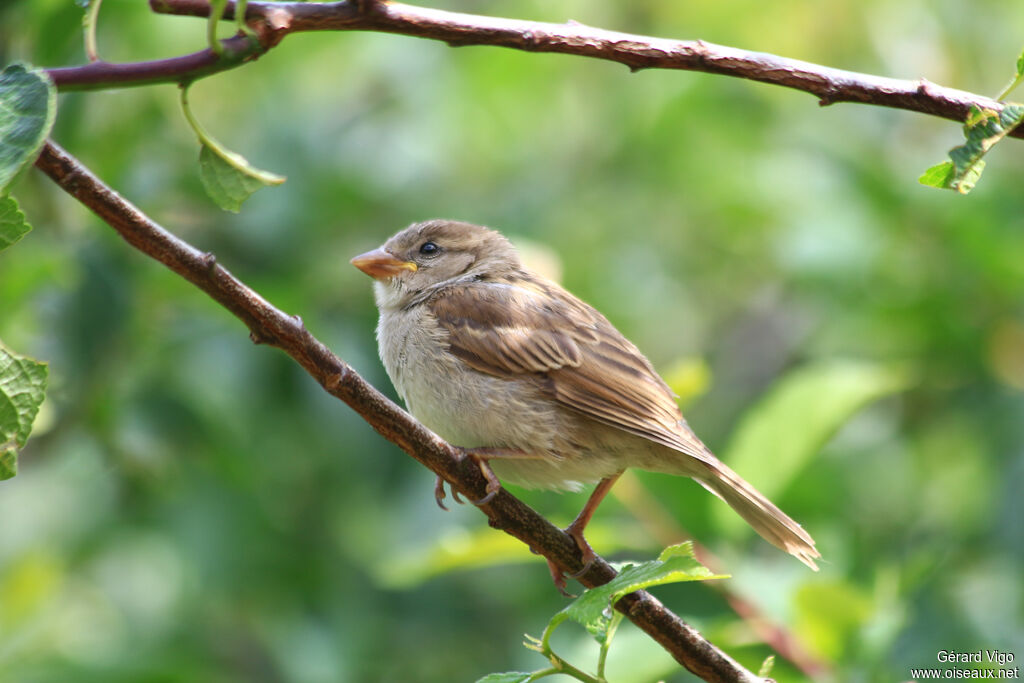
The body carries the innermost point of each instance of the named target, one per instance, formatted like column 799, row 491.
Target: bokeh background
column 195, row 508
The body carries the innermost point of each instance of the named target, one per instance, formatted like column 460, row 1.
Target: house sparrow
column 533, row 382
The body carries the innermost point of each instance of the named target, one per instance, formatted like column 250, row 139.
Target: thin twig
column 235, row 51
column 273, row 21
column 269, row 325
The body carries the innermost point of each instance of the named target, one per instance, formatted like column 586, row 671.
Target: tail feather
column 770, row 522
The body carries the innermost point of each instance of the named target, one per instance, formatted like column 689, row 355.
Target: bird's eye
column 429, row 248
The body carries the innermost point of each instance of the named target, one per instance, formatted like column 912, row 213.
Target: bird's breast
column 472, row 409
column 465, row 407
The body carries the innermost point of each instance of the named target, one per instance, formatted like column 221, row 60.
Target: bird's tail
column 774, row 525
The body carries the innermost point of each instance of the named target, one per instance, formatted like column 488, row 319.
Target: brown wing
column 574, row 354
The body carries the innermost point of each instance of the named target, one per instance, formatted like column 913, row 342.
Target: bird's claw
column 558, row 576
column 587, row 556
column 587, row 564
column 440, row 495
column 487, row 498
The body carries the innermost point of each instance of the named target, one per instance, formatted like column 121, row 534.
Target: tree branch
column 99, row 75
column 273, row 21
column 269, row 325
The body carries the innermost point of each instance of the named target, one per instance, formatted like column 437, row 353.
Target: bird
column 534, row 384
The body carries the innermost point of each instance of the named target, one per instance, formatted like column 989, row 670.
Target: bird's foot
column 587, row 556
column 440, row 495
column 482, row 457
column 558, row 576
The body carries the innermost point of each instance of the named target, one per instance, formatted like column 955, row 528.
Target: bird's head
column 433, row 254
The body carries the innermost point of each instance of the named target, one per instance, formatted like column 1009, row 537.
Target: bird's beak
column 381, row 265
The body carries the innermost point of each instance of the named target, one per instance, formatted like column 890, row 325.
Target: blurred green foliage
column 193, row 508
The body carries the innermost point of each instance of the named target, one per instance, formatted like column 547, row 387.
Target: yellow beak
column 381, row 265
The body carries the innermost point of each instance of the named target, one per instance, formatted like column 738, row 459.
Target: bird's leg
column 576, row 531
column 480, row 456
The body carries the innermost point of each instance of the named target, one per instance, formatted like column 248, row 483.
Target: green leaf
column 593, row 609
column 940, row 175
column 12, row 222
column 8, row 462
column 28, row 106
column 507, row 677
column 229, row 179
column 983, row 129
column 22, row 389
column 766, row 667
column 780, row 434
column 944, row 176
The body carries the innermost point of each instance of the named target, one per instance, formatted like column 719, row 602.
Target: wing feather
column 535, row 328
